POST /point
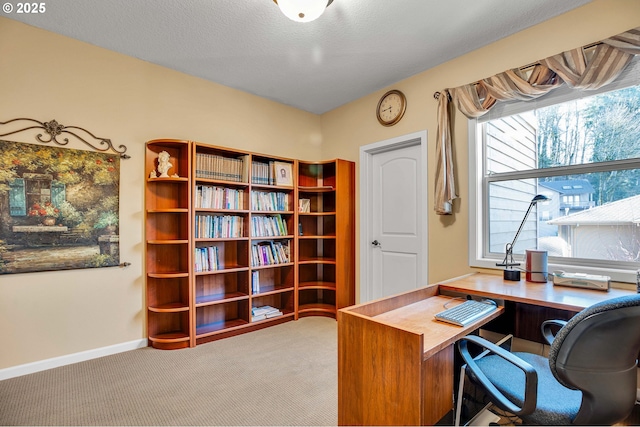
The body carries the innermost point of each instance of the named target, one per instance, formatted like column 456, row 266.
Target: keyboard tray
column 467, row 312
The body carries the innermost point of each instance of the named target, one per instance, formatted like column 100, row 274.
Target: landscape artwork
column 58, row 208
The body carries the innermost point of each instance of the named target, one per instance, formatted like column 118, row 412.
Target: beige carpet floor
column 282, row 375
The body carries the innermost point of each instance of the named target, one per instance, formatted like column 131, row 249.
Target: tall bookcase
column 226, row 237
column 326, row 241
column 168, row 246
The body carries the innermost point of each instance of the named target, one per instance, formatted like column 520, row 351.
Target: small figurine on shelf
column 164, row 164
column 153, row 174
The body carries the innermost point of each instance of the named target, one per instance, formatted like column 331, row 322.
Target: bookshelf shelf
column 327, row 308
column 169, row 275
column 171, row 337
column 169, row 308
column 216, row 327
column 317, row 284
column 266, row 267
column 223, row 241
column 216, row 299
column 272, row 289
column 170, row 340
column 285, row 316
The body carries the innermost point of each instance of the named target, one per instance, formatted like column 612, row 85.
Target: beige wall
column 46, row 76
column 351, row 126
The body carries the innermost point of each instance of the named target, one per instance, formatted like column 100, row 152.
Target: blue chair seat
column 558, row 405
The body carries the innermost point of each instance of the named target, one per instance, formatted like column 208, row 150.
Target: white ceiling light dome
column 303, row 10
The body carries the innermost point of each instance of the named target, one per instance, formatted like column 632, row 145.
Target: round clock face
column 391, row 108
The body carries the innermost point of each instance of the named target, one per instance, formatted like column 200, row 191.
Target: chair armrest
column 548, row 335
column 531, row 376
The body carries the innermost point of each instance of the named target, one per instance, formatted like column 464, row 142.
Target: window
column 34, row 189
column 582, row 150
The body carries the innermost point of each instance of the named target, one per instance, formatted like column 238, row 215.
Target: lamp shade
column 303, row 10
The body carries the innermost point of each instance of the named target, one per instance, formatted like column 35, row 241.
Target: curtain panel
column 578, row 68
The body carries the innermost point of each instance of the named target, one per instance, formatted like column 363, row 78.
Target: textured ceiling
column 355, row 48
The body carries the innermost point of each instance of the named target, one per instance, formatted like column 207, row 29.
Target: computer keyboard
column 467, row 312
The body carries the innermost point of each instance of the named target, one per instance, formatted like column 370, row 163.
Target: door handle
column 376, row 244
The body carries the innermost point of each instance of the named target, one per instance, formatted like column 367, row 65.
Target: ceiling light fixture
column 303, row 10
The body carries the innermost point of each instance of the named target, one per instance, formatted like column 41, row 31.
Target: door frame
column 366, row 158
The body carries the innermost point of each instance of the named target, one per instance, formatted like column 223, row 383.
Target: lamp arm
column 508, row 257
column 522, row 224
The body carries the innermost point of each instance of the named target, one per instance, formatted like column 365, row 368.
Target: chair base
column 484, row 418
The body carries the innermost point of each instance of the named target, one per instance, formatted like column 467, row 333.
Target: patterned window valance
column 585, row 68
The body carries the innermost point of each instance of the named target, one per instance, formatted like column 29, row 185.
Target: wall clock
column 391, row 108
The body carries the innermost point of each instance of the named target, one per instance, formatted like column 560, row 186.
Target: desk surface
column 542, row 294
column 418, row 318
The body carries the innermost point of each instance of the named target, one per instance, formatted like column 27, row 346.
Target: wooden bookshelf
column 223, row 238
column 326, row 246
column 168, row 255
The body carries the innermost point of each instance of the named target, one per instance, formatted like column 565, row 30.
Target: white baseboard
column 42, row 365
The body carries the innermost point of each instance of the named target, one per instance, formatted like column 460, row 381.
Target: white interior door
column 394, row 243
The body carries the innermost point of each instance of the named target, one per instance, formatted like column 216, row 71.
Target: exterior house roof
column 569, row 187
column 624, row 211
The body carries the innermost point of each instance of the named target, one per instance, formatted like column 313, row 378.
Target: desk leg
column 437, row 383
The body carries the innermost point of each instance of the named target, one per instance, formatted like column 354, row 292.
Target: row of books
column 269, row 201
column 270, row 253
column 264, row 312
column 263, row 173
column 268, row 226
column 211, row 166
column 219, row 197
column 218, row 226
column 206, row 259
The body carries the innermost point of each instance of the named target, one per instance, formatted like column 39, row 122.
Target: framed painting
column 283, row 173
column 59, row 208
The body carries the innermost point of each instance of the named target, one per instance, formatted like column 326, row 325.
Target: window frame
column 619, row 271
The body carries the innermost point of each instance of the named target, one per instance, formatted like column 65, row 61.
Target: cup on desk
column 536, row 265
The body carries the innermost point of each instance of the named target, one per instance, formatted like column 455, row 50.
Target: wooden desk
column 396, row 363
column 541, row 294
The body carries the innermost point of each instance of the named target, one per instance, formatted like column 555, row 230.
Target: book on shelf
column 213, row 166
column 206, row 259
column 264, row 312
column 269, row 201
column 212, row 197
column 268, row 226
column 255, row 282
column 270, row 253
column 218, row 226
column 262, row 173
column 304, row 205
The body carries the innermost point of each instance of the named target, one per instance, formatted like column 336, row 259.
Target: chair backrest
column 596, row 352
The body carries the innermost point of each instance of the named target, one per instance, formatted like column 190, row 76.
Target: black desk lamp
column 509, row 274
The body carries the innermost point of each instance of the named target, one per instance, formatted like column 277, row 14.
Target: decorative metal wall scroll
column 54, row 129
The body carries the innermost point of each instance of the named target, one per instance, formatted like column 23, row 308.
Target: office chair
column 589, row 377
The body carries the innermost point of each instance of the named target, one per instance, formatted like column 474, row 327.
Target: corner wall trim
column 55, row 362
